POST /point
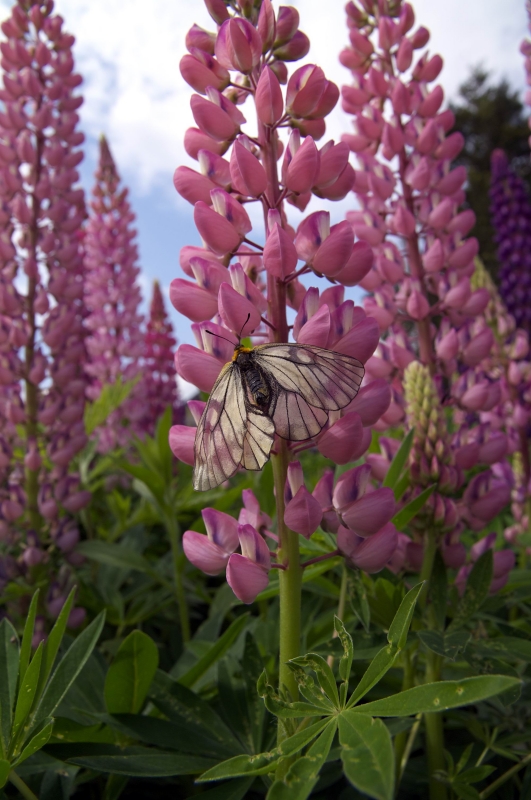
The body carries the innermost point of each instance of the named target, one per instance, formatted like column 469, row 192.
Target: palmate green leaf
column 367, row 754
column 304, row 772
column 27, row 691
column 5, row 769
column 38, row 740
column 325, row 676
column 447, row 645
column 357, row 594
column 476, row 591
column 53, row 642
column 111, row 397
column 397, row 637
column 310, row 691
column 263, row 763
column 439, row 696
column 9, row 660
column 506, row 647
column 345, row 662
column 27, row 636
column 66, row 672
column 191, row 713
column 283, row 709
column 129, row 677
column 399, row 462
column 216, row 652
column 141, row 762
column 403, row 517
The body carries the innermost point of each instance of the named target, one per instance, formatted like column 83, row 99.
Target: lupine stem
column 290, row 581
column 24, row 790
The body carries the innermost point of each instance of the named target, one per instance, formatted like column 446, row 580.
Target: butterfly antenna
column 243, row 326
column 220, row 337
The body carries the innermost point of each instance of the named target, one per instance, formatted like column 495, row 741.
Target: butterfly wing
column 309, row 382
column 230, row 433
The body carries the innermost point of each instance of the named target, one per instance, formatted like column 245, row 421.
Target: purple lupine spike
column 42, row 208
column 112, row 295
column 510, row 209
column 159, row 378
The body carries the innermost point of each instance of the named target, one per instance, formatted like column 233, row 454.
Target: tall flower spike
column 115, row 344
column 511, row 219
column 159, row 377
column 41, row 264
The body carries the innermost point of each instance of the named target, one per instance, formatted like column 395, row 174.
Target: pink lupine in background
column 41, row 287
column 525, row 49
column 158, row 370
column 112, row 295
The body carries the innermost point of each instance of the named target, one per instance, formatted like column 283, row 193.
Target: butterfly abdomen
column 254, row 379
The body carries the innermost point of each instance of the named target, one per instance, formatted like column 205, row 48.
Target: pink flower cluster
column 232, row 278
column 359, row 515
column 159, row 377
column 424, row 265
column 112, row 295
column 42, row 337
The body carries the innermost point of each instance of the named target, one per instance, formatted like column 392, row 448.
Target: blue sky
column 128, row 52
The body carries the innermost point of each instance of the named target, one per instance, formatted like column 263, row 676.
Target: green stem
column 179, row 562
column 24, row 790
column 290, row 579
column 505, row 777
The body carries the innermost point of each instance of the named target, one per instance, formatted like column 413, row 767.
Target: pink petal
column 351, row 486
column 204, row 554
column 372, row 401
column 374, row 552
column 222, row 529
column 191, row 300
column 254, row 546
column 197, row 367
column 234, row 309
column 245, row 578
column 371, row 512
column 303, row 513
column 181, row 439
column 344, row 440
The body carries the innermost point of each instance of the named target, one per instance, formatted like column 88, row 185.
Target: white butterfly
column 287, row 389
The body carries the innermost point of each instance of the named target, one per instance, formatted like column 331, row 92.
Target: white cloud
column 129, row 51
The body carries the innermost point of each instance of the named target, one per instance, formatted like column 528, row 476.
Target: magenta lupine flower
column 42, row 347
column 159, row 376
column 423, row 292
column 234, row 286
column 510, row 210
column 112, row 295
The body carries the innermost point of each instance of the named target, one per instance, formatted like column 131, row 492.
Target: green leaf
column 345, row 663
column 403, row 517
column 193, row 714
column 325, row 676
column 506, row 647
column 5, row 769
column 465, row 792
column 399, row 461
column 9, row 660
column 285, row 710
column 476, row 592
column 367, row 754
column 438, row 590
column 310, row 574
column 27, row 691
column 216, row 652
column 52, row 644
column 397, row 637
column 27, row 636
column 67, row 670
column 439, row 696
column 400, row 625
column 263, row 763
column 129, row 677
column 359, row 603
column 36, row 742
column 477, row 774
column 139, row 762
column 116, row 555
column 111, row 397
column 447, row 645
column 304, row 772
column 185, row 738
